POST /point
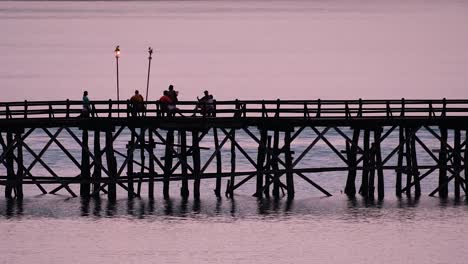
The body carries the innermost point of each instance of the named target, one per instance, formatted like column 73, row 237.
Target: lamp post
column 117, row 55
column 150, row 52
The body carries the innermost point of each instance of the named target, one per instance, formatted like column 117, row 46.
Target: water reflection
column 240, row 207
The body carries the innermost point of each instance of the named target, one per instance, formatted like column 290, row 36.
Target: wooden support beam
column 219, row 167
column 142, row 142
column 401, row 140
column 465, row 164
column 233, row 163
column 443, row 188
column 111, row 166
column 414, row 165
column 364, row 190
column 130, row 150
column 274, row 163
column 150, row 148
column 378, row 163
column 457, row 162
column 261, row 155
column 10, row 166
column 184, row 191
column 20, row 168
column 97, row 170
column 168, row 162
column 266, row 189
column 85, row 170
column 409, row 166
column 288, row 165
column 350, row 188
column 371, row 187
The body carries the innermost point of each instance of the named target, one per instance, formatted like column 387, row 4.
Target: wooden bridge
column 362, row 125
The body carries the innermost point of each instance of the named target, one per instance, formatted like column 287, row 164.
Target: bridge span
column 363, row 127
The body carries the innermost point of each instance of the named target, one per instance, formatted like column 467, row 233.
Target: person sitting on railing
column 205, row 104
column 86, row 105
column 173, row 95
column 137, row 103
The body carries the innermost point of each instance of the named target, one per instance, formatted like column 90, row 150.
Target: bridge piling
column 130, row 157
column 378, row 163
column 184, row 190
column 97, row 163
column 457, row 162
column 111, row 167
column 20, row 167
column 196, row 164
column 150, row 148
column 85, row 166
column 168, row 157
column 274, row 164
column 233, row 164
column 266, row 189
column 364, row 189
column 288, row 165
column 408, row 154
column 217, row 190
column 261, row 155
column 350, row 188
column 399, row 169
column 443, row 186
column 414, row 163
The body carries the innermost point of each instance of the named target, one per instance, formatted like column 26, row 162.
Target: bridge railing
column 240, row 108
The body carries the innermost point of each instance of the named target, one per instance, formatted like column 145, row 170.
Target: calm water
column 244, row 49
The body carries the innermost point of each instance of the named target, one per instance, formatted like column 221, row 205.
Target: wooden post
column 111, row 167
column 168, row 162
column 364, row 190
column 274, row 164
column 142, row 159
column 150, row 149
column 457, row 162
column 218, row 163
column 130, row 150
column 409, row 165
column 85, row 167
column 443, row 187
column 97, row 163
column 260, row 160
column 233, row 163
column 465, row 163
column 10, row 167
column 20, row 171
column 399, row 169
column 184, row 191
column 414, row 165
column 196, row 164
column 378, row 163
column 371, row 187
column 266, row 191
column 350, row 188
column 288, row 163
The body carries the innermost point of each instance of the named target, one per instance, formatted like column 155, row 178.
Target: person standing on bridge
column 137, row 103
column 86, row 105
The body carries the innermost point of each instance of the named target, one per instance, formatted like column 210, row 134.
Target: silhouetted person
column 86, row 105
column 206, row 104
column 173, row 94
column 137, row 103
column 166, row 103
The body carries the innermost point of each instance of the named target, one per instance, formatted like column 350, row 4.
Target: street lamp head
column 117, row 51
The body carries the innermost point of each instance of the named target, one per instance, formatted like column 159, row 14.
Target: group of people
column 168, row 102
